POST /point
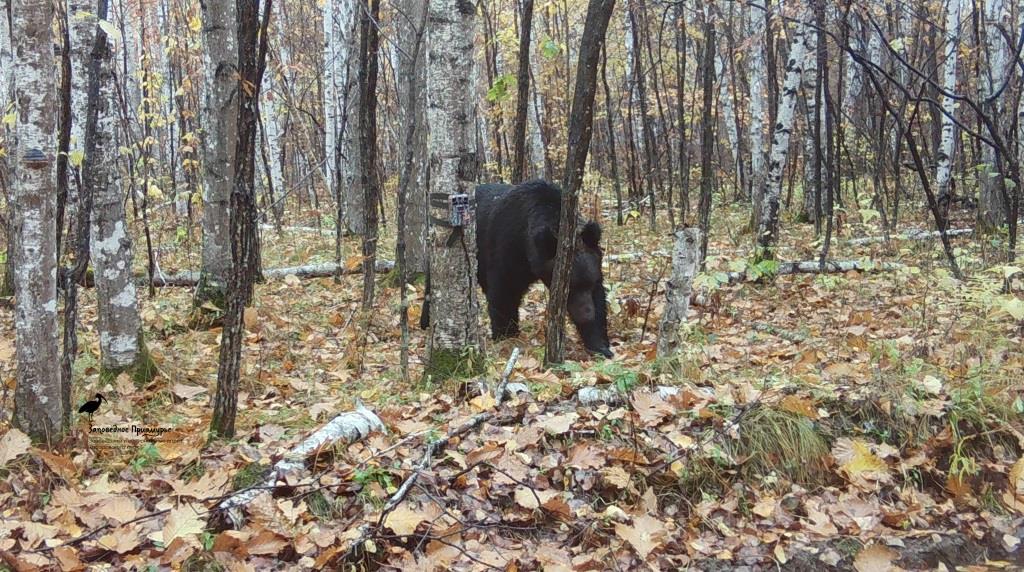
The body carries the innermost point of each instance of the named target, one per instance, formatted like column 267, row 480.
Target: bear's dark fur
column 516, row 240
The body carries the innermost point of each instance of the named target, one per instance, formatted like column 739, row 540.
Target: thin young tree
column 252, row 57
column 412, row 176
column 581, row 123
column 768, row 229
column 368, row 48
column 707, row 138
column 455, row 338
column 944, row 157
column 220, row 124
column 522, row 92
column 39, row 408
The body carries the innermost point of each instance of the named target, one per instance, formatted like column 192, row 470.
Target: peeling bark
column 685, row 262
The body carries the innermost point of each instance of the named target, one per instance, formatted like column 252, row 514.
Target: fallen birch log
column 303, row 229
column 348, row 427
column 326, row 270
column 813, row 267
column 917, row 234
column 612, row 395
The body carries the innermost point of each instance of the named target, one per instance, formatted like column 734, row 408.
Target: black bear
column 516, row 240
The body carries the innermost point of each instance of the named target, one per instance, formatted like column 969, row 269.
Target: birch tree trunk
column 6, row 96
column 812, row 152
column 220, row 114
column 768, row 230
column 685, row 261
column 944, row 156
column 413, row 181
column 991, row 209
column 39, row 396
column 455, row 339
column 758, row 108
column 353, row 199
column 120, row 328
column 728, row 116
column 81, row 33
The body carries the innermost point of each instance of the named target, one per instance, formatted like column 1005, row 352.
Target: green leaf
column 501, row 88
column 868, row 215
column 550, row 49
column 76, row 157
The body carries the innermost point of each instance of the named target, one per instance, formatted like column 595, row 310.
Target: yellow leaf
column 12, row 444
column 646, row 534
column 875, row 558
column 404, row 519
column 183, row 521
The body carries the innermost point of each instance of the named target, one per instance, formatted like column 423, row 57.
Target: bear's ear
column 591, row 234
column 546, row 243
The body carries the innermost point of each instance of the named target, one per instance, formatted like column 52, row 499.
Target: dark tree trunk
column 368, row 44
column 707, row 139
column 578, row 146
column 245, row 254
column 522, row 94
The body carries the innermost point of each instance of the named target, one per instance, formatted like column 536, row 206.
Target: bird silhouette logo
column 91, row 406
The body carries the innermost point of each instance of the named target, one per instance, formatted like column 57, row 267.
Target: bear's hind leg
column 503, row 302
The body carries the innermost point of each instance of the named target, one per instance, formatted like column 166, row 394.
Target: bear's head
column 586, row 304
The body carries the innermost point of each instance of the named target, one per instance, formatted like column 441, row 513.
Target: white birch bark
column 81, row 33
column 768, row 230
column 685, row 257
column 451, row 29
column 38, row 398
column 6, row 97
column 991, row 210
column 343, row 68
column 758, row 105
column 724, row 75
column 120, row 328
column 810, row 90
column 944, row 156
column 272, row 95
column 219, row 121
column 412, row 78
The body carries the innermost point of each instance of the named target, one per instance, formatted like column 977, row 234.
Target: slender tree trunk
column 580, row 131
column 758, row 109
column 220, row 115
column 707, row 139
column 252, row 53
column 455, row 339
column 6, row 170
column 610, row 118
column 368, row 47
column 412, row 79
column 768, row 230
column 944, row 157
column 39, row 408
column 522, row 94
column 650, row 165
column 120, row 328
column 992, row 210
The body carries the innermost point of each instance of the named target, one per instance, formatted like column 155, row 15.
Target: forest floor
column 865, row 420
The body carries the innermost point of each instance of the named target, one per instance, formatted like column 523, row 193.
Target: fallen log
column 326, row 270
column 303, row 229
column 348, row 427
column 917, row 234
